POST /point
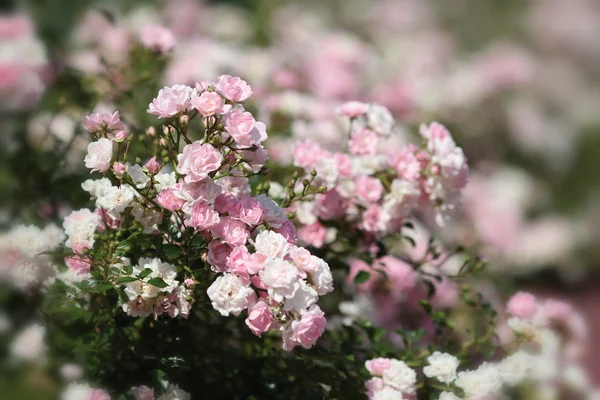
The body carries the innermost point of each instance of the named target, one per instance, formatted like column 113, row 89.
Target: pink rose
column 256, row 158
column 377, row 366
column 231, row 231
column 330, row 205
column 198, row 160
column 143, row 393
column 204, row 191
column 406, row 163
column 208, row 103
column 225, row 202
column 353, row 109
column 239, row 262
column 313, row 234
column 556, row 311
column 171, row 101
column 204, row 217
column 312, row 325
column 168, row 200
column 373, row 385
column 152, row 165
column 363, row 142
column 522, row 305
column 99, row 155
column 248, row 210
column 218, row 252
column 99, row 394
column 158, row 38
column 233, row 88
column 344, row 164
column 239, row 124
column 307, row 153
column 80, row 265
column 303, row 259
column 260, row 318
column 110, row 124
column 288, row 231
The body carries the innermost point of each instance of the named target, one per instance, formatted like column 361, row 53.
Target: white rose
column 139, row 177
column 115, row 200
column 274, row 215
column 29, row 343
column 230, row 295
column 321, row 278
column 442, row 366
column 271, row 244
column 400, row 377
column 96, row 187
column 304, row 297
column 281, row 277
column 380, row 119
column 99, row 155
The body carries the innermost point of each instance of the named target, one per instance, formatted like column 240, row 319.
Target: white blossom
column 230, row 295
column 400, row 377
column 442, row 366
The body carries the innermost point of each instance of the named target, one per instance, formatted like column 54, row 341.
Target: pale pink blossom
column 208, row 103
column 522, row 305
column 204, row 217
column 288, row 231
column 158, row 38
column 233, row 88
column 109, row 124
column 260, row 318
column 368, row 189
column 373, row 385
column 406, row 163
column 171, row 101
column 313, row 234
column 99, row 155
column 217, row 255
column 231, row 231
column 239, row 124
column 310, row 327
column 248, row 210
column 203, row 191
column 225, row 202
column 273, row 215
column 353, row 109
column 364, row 142
column 377, row 366
column 198, row 160
column 240, row 262
column 168, row 200
column 307, row 154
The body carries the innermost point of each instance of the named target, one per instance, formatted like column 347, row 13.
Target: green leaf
column 126, row 279
column 128, row 269
column 171, row 251
column 144, row 273
column 362, row 277
column 158, row 282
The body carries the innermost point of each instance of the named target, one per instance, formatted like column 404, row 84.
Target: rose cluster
column 373, row 191
column 203, row 196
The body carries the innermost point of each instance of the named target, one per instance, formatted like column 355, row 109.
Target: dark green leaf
column 362, row 277
column 171, row 251
column 126, row 279
column 158, row 282
column 144, row 273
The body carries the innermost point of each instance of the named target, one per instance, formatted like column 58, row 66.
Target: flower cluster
column 206, row 197
column 279, row 284
column 21, row 262
column 391, row 379
column 373, row 191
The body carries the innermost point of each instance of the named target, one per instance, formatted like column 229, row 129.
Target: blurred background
column 517, row 82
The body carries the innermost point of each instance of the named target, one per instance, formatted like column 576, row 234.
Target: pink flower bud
column 119, row 169
column 152, row 165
